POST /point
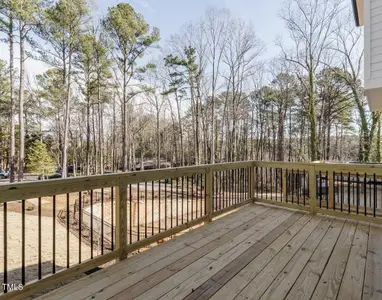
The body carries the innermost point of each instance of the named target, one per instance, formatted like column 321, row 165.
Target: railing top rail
column 34, row 189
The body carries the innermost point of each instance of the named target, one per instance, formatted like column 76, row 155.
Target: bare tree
column 215, row 28
column 310, row 24
column 347, row 62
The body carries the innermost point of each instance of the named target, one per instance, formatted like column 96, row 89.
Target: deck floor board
column 256, row 252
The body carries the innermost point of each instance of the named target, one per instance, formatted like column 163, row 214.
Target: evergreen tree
column 39, row 160
column 131, row 36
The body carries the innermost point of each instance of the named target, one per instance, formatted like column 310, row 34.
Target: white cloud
column 142, row 3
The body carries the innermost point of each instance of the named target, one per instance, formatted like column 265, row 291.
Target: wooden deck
column 257, row 252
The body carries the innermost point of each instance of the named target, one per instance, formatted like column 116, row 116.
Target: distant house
column 368, row 13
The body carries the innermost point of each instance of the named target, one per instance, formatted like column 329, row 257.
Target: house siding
column 375, row 36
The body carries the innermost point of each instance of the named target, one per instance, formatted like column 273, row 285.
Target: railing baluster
column 80, row 226
column 358, row 193
column 152, row 208
column 304, row 187
column 365, row 194
column 54, row 236
column 342, row 191
column 201, row 195
column 102, row 220
column 187, row 195
column 349, row 186
column 177, row 201
column 138, row 214
column 221, row 191
column 192, row 197
column 320, row 176
column 23, row 241
column 145, row 209
column 284, row 194
column 171, row 205
column 5, row 226
column 182, row 199
column 165, row 204
column 159, row 207
column 330, row 187
column 112, row 218
column 375, row 196
column 39, row 240
column 91, row 224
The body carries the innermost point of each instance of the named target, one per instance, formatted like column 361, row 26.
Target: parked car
column 150, row 165
column 52, row 176
column 4, row 175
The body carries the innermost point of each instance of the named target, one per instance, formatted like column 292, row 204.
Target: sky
column 170, row 15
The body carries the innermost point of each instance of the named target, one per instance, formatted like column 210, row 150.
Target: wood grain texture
column 287, row 277
column 309, row 277
column 218, row 280
column 235, row 285
column 373, row 274
column 262, row 281
column 330, row 281
column 352, row 281
column 194, row 261
column 196, row 238
column 222, row 259
column 167, row 266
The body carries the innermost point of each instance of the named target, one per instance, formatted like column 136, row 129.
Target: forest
column 114, row 98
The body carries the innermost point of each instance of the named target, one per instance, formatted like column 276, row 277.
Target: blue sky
column 170, row 15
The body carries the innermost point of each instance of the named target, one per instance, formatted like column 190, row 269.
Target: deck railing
column 52, row 230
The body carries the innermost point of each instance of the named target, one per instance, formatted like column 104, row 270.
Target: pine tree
column 39, row 161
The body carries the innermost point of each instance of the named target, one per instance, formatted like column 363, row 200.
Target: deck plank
column 373, row 274
column 163, row 254
column 257, row 252
column 287, row 277
column 159, row 283
column 352, row 282
column 229, row 263
column 231, row 284
column 308, row 279
column 155, row 273
column 261, row 282
column 329, row 283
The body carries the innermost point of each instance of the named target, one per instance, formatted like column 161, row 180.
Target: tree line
column 115, row 96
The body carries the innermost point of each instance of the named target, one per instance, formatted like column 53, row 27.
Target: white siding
column 376, row 38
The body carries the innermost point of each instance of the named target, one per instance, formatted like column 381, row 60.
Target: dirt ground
column 14, row 241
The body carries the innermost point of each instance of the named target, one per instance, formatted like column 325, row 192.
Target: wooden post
column 209, row 196
column 331, row 190
column 284, row 183
column 121, row 219
column 312, row 190
column 251, row 183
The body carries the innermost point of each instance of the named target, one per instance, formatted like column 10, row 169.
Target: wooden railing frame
column 28, row 190
column 120, row 181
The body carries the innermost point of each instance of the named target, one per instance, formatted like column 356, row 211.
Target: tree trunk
column 180, row 130
column 100, row 131
column 12, row 115
column 88, row 133
column 312, row 118
column 280, row 134
column 67, row 113
column 158, row 137
column 21, row 104
column 124, row 120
